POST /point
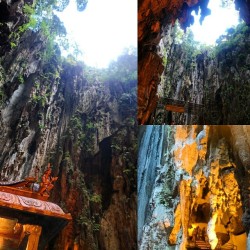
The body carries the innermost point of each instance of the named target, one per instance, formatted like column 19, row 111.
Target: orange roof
column 14, row 201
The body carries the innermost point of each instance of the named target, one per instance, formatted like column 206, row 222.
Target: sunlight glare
column 102, row 30
column 215, row 24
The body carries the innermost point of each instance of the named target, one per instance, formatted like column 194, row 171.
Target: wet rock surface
column 58, row 111
column 208, row 84
column 200, row 192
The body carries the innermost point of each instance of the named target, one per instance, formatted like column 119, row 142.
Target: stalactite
column 206, row 207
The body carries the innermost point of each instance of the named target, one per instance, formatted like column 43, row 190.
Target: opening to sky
column 215, row 25
column 103, row 30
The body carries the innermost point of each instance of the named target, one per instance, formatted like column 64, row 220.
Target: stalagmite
column 200, row 188
column 213, row 240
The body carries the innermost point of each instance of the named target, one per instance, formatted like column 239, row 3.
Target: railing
column 196, row 111
column 205, row 245
column 189, row 107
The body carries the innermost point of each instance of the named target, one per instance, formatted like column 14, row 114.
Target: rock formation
column 199, row 187
column 157, row 42
column 61, row 111
column 213, row 81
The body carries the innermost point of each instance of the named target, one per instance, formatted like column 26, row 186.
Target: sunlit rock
column 201, row 193
column 209, row 83
column 81, row 119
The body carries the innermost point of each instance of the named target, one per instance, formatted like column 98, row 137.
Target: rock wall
column 154, row 22
column 152, row 19
column 216, row 78
column 200, row 193
column 148, row 166
column 59, row 111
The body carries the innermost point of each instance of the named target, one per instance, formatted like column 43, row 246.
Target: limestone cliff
column 216, row 78
column 80, row 119
column 153, row 17
column 199, row 195
column 155, row 31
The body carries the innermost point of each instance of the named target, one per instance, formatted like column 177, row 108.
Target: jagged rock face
column 154, row 21
column 51, row 112
column 19, row 107
column 148, row 169
column 200, row 188
column 218, row 81
column 11, row 17
column 152, row 18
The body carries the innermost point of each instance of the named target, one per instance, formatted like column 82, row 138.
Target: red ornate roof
column 31, row 205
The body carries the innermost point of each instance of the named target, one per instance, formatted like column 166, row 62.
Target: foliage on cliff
column 215, row 76
column 81, row 119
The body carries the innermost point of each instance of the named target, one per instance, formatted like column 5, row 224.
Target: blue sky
column 102, row 30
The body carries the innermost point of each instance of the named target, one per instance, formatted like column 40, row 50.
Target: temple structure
column 27, row 220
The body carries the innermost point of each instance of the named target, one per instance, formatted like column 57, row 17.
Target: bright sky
column 215, row 24
column 103, row 29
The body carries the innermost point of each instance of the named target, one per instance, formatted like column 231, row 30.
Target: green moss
column 164, row 58
column 21, row 79
column 96, row 198
column 39, row 99
column 28, row 10
column 2, row 96
column 96, row 226
column 12, row 45
column 67, row 156
column 30, row 25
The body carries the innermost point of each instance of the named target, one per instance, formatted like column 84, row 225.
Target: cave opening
column 88, row 47
column 59, row 115
column 207, row 30
column 198, row 64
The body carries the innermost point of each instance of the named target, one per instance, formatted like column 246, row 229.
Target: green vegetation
column 12, row 45
column 225, row 70
column 189, row 46
column 28, row 10
column 81, row 131
column 96, row 226
column 90, row 218
column 83, row 219
column 164, row 58
column 31, row 24
column 40, row 18
column 96, row 198
column 123, row 73
column 124, row 146
column 67, row 156
column 124, row 69
column 192, row 49
column 232, row 52
column 21, row 79
column 2, row 95
column 235, row 36
column 41, row 126
column 40, row 99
